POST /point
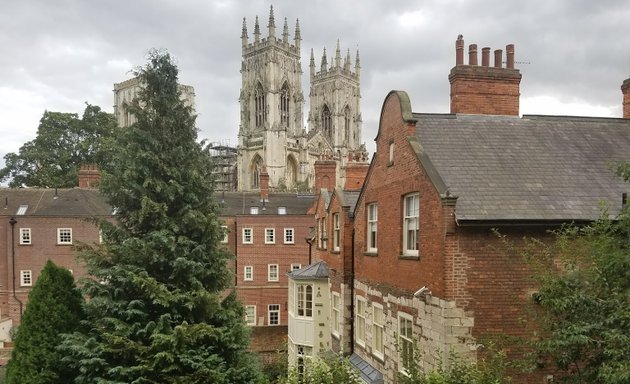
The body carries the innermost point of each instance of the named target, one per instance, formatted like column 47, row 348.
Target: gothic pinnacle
column 324, row 66
column 338, row 56
column 272, row 23
column 244, row 33
column 298, row 35
column 256, row 31
column 285, row 31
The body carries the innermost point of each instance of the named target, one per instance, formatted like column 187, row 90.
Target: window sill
column 409, row 257
column 336, row 252
column 336, row 335
column 370, row 253
column 379, row 357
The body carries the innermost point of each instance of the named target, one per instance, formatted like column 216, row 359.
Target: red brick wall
column 386, row 185
column 260, row 291
column 625, row 88
column 485, row 90
column 33, row 257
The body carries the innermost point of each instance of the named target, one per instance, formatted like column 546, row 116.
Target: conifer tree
column 54, row 307
column 160, row 309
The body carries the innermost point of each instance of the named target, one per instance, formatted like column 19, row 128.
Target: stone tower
column 335, row 108
column 272, row 103
column 272, row 134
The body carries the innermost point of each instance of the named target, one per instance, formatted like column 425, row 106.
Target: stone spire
column 338, row 56
column 256, row 31
column 312, row 65
column 347, row 61
column 244, row 33
column 324, row 66
column 357, row 65
column 298, row 35
column 285, row 31
column 272, row 23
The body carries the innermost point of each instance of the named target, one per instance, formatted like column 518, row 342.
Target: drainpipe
column 12, row 221
column 235, row 253
column 352, row 295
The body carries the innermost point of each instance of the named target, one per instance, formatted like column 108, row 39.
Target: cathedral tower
column 271, row 104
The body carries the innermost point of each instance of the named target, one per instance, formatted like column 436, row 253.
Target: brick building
column 37, row 225
column 425, row 263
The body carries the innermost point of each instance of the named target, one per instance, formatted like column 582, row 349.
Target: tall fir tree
column 55, row 306
column 160, row 308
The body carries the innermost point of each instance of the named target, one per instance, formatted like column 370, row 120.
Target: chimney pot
column 498, row 58
column 509, row 51
column 472, row 54
column 485, row 56
column 459, row 50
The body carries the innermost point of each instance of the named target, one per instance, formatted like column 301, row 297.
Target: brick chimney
column 355, row 176
column 625, row 88
column 484, row 89
column 325, row 175
column 264, row 184
column 89, row 176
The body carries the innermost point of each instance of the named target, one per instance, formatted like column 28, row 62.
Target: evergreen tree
column 54, row 307
column 159, row 309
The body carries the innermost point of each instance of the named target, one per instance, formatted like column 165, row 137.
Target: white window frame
column 65, row 232
column 289, row 236
column 336, row 306
column 360, row 308
column 282, row 210
column 273, row 272
column 304, row 300
column 404, row 340
column 411, row 224
column 273, row 309
column 372, row 227
column 26, row 278
column 26, row 236
column 226, row 232
column 253, row 210
column 246, row 236
column 270, row 235
column 378, row 328
column 336, row 231
column 248, row 270
column 295, row 266
column 248, row 315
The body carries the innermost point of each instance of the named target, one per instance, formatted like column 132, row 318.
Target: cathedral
column 272, row 136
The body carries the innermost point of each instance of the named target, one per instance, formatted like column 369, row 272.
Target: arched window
column 260, row 105
column 346, row 124
column 327, row 122
column 255, row 172
column 284, row 104
column 304, row 300
column 291, row 171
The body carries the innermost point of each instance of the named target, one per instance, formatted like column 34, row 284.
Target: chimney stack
column 482, row 89
column 355, row 175
column 89, row 176
column 625, row 88
column 325, row 175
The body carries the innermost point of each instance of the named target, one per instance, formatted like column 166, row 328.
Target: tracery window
column 327, row 122
column 284, row 104
column 260, row 106
column 346, row 124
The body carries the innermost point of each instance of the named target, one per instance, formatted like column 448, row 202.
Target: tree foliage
column 584, row 279
column 160, row 310
column 333, row 370
column 54, row 307
column 63, row 143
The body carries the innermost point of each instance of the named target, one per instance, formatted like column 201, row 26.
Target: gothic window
column 284, row 104
column 346, row 124
column 327, row 123
column 256, row 169
column 260, row 106
column 291, row 172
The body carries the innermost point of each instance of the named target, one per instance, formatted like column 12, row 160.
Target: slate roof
column 368, row 373
column 239, row 203
column 349, row 198
column 538, row 168
column 318, row 270
column 74, row 202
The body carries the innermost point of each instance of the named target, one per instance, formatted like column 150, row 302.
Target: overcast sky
column 57, row 55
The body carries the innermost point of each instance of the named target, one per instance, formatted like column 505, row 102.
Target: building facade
column 272, row 132
column 428, row 272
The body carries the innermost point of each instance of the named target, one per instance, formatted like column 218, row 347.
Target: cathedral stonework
column 271, row 133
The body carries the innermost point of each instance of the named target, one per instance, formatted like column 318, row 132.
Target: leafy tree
column 332, row 370
column 54, row 307
column 63, row 143
column 584, row 296
column 159, row 309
